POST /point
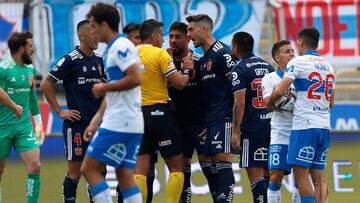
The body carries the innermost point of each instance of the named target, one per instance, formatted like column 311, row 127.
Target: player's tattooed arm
column 48, row 87
column 238, row 114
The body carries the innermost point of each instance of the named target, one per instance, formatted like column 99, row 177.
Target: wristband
column 188, row 72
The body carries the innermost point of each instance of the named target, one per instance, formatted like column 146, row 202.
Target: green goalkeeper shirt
column 18, row 83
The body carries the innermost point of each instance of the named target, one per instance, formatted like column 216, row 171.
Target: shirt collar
column 312, row 52
column 279, row 73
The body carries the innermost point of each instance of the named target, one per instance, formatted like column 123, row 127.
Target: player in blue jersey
column 281, row 123
column 251, row 123
column 118, row 138
column 189, row 108
column 215, row 68
column 314, row 83
column 79, row 71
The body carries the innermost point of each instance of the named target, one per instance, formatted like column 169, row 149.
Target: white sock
column 136, row 198
column 274, row 196
column 296, row 196
column 103, row 197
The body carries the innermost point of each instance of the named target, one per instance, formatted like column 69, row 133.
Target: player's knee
column 84, row 170
column 34, row 168
column 276, row 178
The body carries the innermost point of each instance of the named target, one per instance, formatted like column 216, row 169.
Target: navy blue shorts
column 218, row 138
column 191, row 141
column 254, row 150
column 75, row 145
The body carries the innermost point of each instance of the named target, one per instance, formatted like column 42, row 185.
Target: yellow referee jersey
column 157, row 64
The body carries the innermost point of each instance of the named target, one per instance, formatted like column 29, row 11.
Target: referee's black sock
column 149, row 183
column 226, row 182
column 186, row 192
column 214, row 186
column 259, row 191
column 206, row 169
column 69, row 189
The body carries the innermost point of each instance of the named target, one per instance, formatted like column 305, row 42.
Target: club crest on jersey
column 84, row 68
column 31, row 79
column 99, row 69
column 208, row 65
column 23, row 77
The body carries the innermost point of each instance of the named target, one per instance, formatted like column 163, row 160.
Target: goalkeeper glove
column 39, row 129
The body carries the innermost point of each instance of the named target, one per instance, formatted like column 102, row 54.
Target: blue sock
column 149, row 183
column 186, row 193
column 69, row 189
column 206, row 169
column 259, row 191
column 96, row 189
column 214, row 183
column 226, row 182
column 308, row 199
column 274, row 187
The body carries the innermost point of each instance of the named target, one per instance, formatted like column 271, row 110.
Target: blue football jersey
column 79, row 73
column 247, row 75
column 216, row 66
column 189, row 102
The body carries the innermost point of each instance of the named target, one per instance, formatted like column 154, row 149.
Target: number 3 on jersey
column 316, row 77
column 258, row 101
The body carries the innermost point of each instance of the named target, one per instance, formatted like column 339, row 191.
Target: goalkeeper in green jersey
column 17, row 101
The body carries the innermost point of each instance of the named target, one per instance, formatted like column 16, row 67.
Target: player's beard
column 26, row 58
column 177, row 52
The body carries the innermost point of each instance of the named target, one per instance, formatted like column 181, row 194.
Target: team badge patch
column 84, row 68
column 208, row 65
column 31, row 79
column 99, row 69
column 78, row 151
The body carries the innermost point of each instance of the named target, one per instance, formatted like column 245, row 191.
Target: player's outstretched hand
column 203, row 133
column 40, row 134
column 188, row 61
column 89, row 132
column 235, row 140
column 71, row 115
column 18, row 110
column 98, row 90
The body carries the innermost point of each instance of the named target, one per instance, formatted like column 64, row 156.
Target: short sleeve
column 225, row 60
column 291, row 71
column 124, row 54
column 166, row 63
column 238, row 79
column 266, row 86
column 62, row 68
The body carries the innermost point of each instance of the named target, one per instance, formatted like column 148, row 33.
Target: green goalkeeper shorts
column 20, row 135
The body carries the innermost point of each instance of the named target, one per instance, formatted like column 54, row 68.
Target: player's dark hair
column 17, row 40
column 200, row 18
column 82, row 23
column 310, row 37
column 180, row 26
column 105, row 12
column 276, row 47
column 244, row 42
column 148, row 27
column 131, row 27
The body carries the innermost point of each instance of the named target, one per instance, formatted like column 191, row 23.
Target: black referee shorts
column 161, row 132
